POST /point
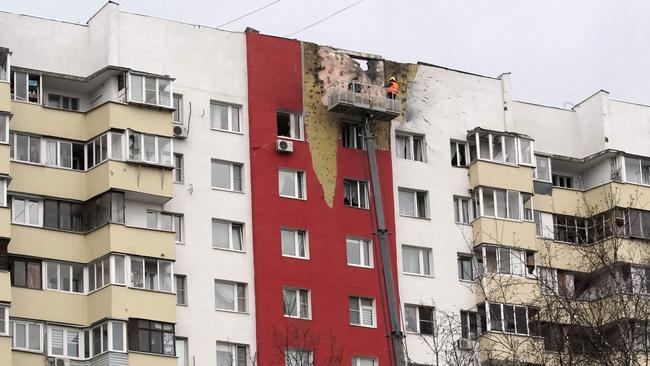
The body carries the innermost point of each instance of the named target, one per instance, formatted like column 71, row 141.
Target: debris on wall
column 404, row 74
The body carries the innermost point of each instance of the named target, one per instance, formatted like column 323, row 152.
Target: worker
column 391, row 88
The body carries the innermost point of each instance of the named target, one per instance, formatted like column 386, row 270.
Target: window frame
column 458, row 210
column 296, row 242
column 60, row 101
column 536, row 177
column 230, row 107
column 184, row 297
column 362, row 256
column 455, row 159
column 357, row 360
column 4, row 126
column 231, row 225
column 423, row 252
column 299, row 310
column 158, row 286
column 59, row 276
column 479, row 204
column 157, row 79
column 293, row 117
column 300, row 184
column 26, row 261
column 141, row 159
column 5, row 320
column 411, row 153
column 362, row 191
column 65, row 339
column 7, row 58
column 235, row 285
column 503, row 319
column 416, row 208
column 178, row 109
column 136, row 326
column 418, row 320
column 27, row 348
column 463, row 258
column 14, row 147
column 27, row 213
column 360, row 309
column 356, row 129
column 233, row 349
column 178, row 173
column 298, row 358
column 39, row 96
column 232, row 179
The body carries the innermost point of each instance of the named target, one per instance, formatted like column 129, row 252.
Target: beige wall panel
column 141, row 178
column 53, row 182
column 5, row 287
column 5, row 350
column 27, row 359
column 500, row 346
column 99, row 305
column 508, row 289
column 152, row 120
column 5, row 149
column 132, row 303
column 5, row 96
column 485, row 173
column 39, row 242
column 563, row 201
column 141, row 241
column 49, row 305
column 519, row 234
column 97, row 180
column 36, row 119
column 143, row 359
column 5, row 222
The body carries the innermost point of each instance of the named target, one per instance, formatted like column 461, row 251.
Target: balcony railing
column 357, row 98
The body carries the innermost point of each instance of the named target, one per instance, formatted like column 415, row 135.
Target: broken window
column 570, row 229
column 352, row 136
column 63, row 102
column 458, row 153
column 542, row 168
column 4, row 66
column 562, row 181
column 355, row 193
column 26, row 87
column 505, row 260
column 410, row 147
column 498, row 147
column 290, row 125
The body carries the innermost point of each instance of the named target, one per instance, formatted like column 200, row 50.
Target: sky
column 559, row 52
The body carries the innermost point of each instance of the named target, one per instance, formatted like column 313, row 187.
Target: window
column 291, row 183
column 97, row 150
column 58, row 153
column 527, row 199
column 25, row 273
column 150, row 90
column 294, row 243
column 469, row 322
column 224, row 117
column 542, row 168
column 298, row 357
column 525, row 151
column 149, row 148
column 458, row 153
column 363, row 361
column 99, row 273
column 181, row 351
column 410, row 147
column 227, row 175
column 419, row 319
column 230, row 296
column 505, row 260
column 63, row 102
column 4, row 320
column 492, row 202
column 25, row 148
column 416, row 260
column 177, row 104
column 26, row 211
column 4, row 66
column 297, row 303
column 178, row 168
column 290, row 125
column 26, row 87
column 160, row 220
column 227, row 235
column 465, row 267
column 151, row 274
column 67, row 277
column 4, row 129
column 3, row 193
column 352, row 136
column 27, row 335
column 509, row 318
column 494, row 147
column 462, row 212
column 151, row 336
column 181, row 289
column 570, row 229
column 65, row 342
column 231, row 354
column 63, row 215
column 355, row 193
column 362, row 311
column 413, row 203
column 359, row 252
column 562, row 181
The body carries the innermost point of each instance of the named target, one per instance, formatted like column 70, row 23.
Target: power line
column 249, row 13
column 324, row 19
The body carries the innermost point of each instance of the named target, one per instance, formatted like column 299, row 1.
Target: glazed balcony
column 519, row 234
column 508, row 289
column 5, row 96
column 359, row 99
column 500, row 175
column 503, row 346
column 5, row 286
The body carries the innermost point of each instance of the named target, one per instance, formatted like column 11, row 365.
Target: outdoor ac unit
column 284, row 146
column 55, row 361
column 180, row 131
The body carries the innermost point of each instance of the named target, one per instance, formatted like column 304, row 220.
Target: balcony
column 111, row 301
column 520, row 234
column 147, row 359
column 5, row 96
column 508, row 289
column 5, row 286
column 80, row 248
column 504, row 346
column 5, row 351
column 498, row 175
column 359, row 99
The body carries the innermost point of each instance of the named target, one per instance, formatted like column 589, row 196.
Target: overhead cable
column 324, row 19
column 249, row 13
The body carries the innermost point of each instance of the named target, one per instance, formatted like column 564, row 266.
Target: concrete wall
column 629, row 127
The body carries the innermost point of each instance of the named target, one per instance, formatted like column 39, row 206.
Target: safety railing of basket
column 357, row 93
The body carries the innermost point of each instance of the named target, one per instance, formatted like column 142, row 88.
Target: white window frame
column 15, row 148
column 5, row 319
column 501, row 141
column 4, row 124
column 158, row 215
column 141, row 158
column 423, row 253
column 362, row 188
column 503, row 318
column 354, row 128
column 3, row 193
column 456, row 144
column 295, row 118
column 362, row 256
column 178, row 110
column 178, row 170
column 110, row 347
column 411, row 137
column 59, row 98
column 416, row 208
column 235, row 286
column 297, row 292
column 231, row 108
column 59, row 278
column 7, row 56
column 417, row 318
column 458, row 210
column 296, row 242
column 357, row 360
column 27, row 199
column 496, row 205
column 232, row 179
column 520, row 152
column 144, row 93
column 230, row 236
column 27, row 347
column 516, row 259
column 129, row 271
column 550, row 169
column 365, row 307
column 80, row 346
column 232, row 349
column 299, row 184
column 184, row 280
column 40, row 87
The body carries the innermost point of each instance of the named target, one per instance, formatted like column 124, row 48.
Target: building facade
column 174, row 194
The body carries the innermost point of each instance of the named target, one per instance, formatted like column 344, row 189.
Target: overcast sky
column 559, row 52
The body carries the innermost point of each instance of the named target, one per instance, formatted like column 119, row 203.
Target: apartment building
column 161, row 182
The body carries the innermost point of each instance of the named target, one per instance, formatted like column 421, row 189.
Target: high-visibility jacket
column 393, row 87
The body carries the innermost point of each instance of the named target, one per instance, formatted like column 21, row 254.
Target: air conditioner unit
column 284, row 146
column 55, row 361
column 180, row 131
